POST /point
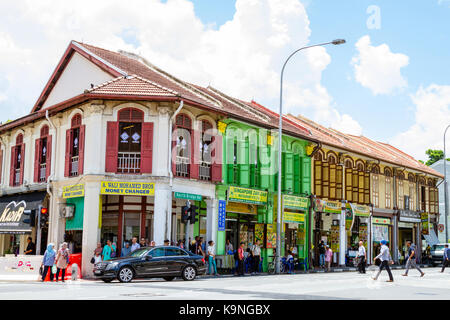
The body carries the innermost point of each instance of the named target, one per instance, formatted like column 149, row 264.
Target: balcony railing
column 182, row 167
column 42, row 171
column 205, row 171
column 17, row 177
column 129, row 162
column 74, row 166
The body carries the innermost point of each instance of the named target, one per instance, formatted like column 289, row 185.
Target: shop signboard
column 377, row 220
column 334, row 238
column 294, row 202
column 244, row 195
column 245, row 208
column 425, row 223
column 328, row 206
column 222, row 215
column 380, row 232
column 293, row 217
column 410, row 216
column 271, row 236
column 127, row 188
column 73, row 191
column 360, row 210
column 188, row 196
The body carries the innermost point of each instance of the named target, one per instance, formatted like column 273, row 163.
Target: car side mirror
column 148, row 258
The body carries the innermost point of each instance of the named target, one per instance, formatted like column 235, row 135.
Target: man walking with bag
column 385, row 257
column 362, row 258
column 411, row 262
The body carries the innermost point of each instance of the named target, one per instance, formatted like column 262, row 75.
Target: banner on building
column 127, row 188
column 252, row 196
column 222, row 215
column 259, row 232
column 328, row 206
column 294, row 202
column 238, row 207
column 293, row 217
column 360, row 210
column 73, row 191
column 334, row 238
column 271, row 236
column 425, row 223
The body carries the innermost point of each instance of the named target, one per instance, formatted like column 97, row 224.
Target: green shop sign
column 237, row 194
column 294, row 202
column 188, row 196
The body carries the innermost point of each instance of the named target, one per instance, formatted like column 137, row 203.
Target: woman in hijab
column 48, row 261
column 62, row 260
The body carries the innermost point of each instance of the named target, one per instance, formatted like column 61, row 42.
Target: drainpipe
column 53, row 160
column 169, row 164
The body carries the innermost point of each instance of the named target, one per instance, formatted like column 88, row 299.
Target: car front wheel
column 189, row 273
column 125, row 274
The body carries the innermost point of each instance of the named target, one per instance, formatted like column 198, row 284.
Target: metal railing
column 182, row 167
column 205, row 171
column 129, row 162
column 42, row 171
column 74, row 166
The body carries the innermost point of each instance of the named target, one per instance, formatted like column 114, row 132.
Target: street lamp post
column 279, row 202
column 445, row 190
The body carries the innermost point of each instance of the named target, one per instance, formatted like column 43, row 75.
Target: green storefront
column 74, row 196
column 249, row 187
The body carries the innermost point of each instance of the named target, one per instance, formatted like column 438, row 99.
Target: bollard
column 74, row 272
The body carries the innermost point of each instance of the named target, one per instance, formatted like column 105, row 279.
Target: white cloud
column 243, row 57
column 377, row 68
column 432, row 115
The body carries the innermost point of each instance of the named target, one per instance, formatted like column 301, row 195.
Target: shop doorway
column 404, row 235
column 74, row 238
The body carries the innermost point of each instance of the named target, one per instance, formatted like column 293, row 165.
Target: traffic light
column 44, row 217
column 185, row 214
column 194, row 214
column 32, row 217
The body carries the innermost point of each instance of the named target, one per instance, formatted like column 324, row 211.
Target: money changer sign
column 127, row 188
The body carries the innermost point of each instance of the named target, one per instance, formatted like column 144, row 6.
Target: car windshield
column 139, row 253
column 438, row 247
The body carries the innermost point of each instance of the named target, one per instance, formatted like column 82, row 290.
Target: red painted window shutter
column 216, row 158
column 195, row 154
column 37, row 156
column 147, row 147
column 1, row 165
column 12, row 164
column 22, row 162
column 48, row 162
column 112, row 146
column 81, row 150
column 68, row 153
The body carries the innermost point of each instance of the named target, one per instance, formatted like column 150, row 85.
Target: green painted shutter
column 265, row 167
column 306, row 174
column 288, row 166
column 297, row 181
column 244, row 168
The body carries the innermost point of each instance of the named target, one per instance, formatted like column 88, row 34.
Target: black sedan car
column 165, row 262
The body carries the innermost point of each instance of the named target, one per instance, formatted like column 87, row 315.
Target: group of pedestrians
column 52, row 258
column 325, row 256
column 250, row 256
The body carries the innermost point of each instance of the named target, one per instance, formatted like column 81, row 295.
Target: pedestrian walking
column 411, row 262
column 211, row 258
column 134, row 244
column 48, row 261
column 321, row 247
column 241, row 259
column 361, row 255
column 446, row 257
column 256, row 254
column 385, row 258
column 328, row 257
column 62, row 261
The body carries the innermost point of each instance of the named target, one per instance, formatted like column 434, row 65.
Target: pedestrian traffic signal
column 32, row 217
column 185, row 214
column 194, row 214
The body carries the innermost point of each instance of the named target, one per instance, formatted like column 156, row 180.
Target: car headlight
column 111, row 265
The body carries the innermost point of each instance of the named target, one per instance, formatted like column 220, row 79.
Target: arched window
column 75, row 147
column 130, row 140
column 42, row 155
column 17, row 162
column 388, row 183
column 348, row 163
column 400, row 190
column 318, row 173
column 335, row 177
column 183, row 131
column 375, row 185
column 205, row 150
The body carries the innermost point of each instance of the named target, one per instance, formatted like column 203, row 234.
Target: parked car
column 165, row 262
column 437, row 253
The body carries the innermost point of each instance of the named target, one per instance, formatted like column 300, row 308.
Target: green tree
column 434, row 156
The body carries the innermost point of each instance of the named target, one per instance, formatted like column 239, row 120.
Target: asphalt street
column 338, row 285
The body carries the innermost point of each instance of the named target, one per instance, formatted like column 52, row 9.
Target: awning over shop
column 431, row 238
column 12, row 211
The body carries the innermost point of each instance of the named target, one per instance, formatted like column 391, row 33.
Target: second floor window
column 17, row 162
column 42, row 159
column 74, row 162
column 183, row 131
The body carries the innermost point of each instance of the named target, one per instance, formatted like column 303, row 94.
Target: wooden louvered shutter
column 1, row 165
column 339, row 186
column 244, row 168
column 68, row 153
column 216, row 159
column 349, row 184
column 297, row 181
column 12, row 170
column 305, row 174
column 355, row 180
column 288, row 171
column 318, row 177
column 325, row 179
column 37, row 156
column 22, row 162
column 333, row 178
column 195, row 153
column 48, row 162
column 112, row 146
column 366, row 187
column 147, row 147
column 81, row 149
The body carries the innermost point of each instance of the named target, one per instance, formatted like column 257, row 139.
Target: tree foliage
column 434, row 156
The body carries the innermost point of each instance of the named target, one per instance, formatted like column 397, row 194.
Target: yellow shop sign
column 294, row 202
column 252, row 196
column 127, row 188
column 293, row 217
column 237, row 207
column 73, row 191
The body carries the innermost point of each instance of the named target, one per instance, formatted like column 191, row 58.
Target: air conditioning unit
column 67, row 211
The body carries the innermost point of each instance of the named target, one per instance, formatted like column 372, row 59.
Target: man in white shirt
column 256, row 254
column 385, row 257
column 134, row 244
column 361, row 255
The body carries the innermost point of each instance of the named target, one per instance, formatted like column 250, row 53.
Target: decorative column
column 162, row 194
column 211, row 220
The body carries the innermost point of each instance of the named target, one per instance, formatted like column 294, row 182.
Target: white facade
column 439, row 167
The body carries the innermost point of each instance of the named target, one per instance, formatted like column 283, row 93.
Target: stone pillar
column 211, row 220
column 90, row 225
column 162, row 195
column 95, row 137
column 56, row 226
column 342, row 236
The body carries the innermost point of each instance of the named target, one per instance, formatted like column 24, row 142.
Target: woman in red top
column 241, row 259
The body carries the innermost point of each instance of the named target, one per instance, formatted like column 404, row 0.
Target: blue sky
column 389, row 83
